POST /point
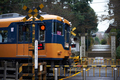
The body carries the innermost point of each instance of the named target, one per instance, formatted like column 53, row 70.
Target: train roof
column 5, row 22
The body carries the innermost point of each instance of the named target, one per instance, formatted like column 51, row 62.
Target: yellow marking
column 74, row 66
column 29, row 15
column 30, row 11
column 93, row 65
column 72, row 75
column 41, row 6
column 73, row 28
column 24, row 19
column 35, row 10
column 73, row 33
column 48, row 65
column 35, row 15
column 84, row 65
column 24, row 64
column 25, row 74
column 108, row 59
column 103, row 65
column 57, row 66
column 99, row 71
column 20, row 69
column 113, row 65
column 112, row 59
column 41, row 18
column 106, row 72
column 66, row 66
column 25, row 7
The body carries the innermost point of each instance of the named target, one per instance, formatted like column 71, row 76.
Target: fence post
column 84, row 74
column 115, row 73
column 56, row 74
column 16, row 75
column 5, row 67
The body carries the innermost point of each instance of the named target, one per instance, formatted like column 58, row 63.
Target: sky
column 101, row 8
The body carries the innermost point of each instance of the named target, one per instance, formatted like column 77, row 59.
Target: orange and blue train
column 16, row 39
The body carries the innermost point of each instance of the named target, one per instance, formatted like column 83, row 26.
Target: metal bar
column 84, row 74
column 112, row 71
column 88, row 73
column 92, row 61
column 53, row 71
column 115, row 73
column 5, row 67
column 70, row 72
column 93, row 71
column 99, row 71
column 118, row 71
column 16, row 75
column 64, row 71
column 107, row 62
column 59, row 71
column 81, row 72
column 105, row 71
column 56, row 74
column 75, row 70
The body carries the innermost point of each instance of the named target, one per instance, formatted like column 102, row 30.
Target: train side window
column 24, row 33
column 54, row 28
column 3, row 36
column 65, row 33
column 59, row 29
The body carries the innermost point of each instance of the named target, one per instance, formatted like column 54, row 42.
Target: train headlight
column 59, row 52
column 66, row 45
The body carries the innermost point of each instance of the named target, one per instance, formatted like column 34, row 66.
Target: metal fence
column 5, row 71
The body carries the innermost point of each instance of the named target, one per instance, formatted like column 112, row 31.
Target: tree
column 77, row 11
column 97, row 41
column 103, row 41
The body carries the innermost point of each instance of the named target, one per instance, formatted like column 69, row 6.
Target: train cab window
column 41, row 35
column 24, row 33
column 3, row 36
column 57, row 28
column 66, row 36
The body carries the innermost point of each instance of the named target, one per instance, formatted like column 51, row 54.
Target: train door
column 23, row 39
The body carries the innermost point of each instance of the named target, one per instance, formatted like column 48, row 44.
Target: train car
column 16, row 39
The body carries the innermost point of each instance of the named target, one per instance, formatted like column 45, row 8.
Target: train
column 16, row 39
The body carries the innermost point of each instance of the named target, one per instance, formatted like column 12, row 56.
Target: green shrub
column 118, row 52
column 103, row 41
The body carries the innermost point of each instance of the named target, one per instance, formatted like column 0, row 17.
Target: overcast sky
column 101, row 8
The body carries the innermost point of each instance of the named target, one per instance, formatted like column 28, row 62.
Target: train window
column 59, row 29
column 41, row 35
column 24, row 33
column 3, row 36
column 53, row 28
column 67, row 35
